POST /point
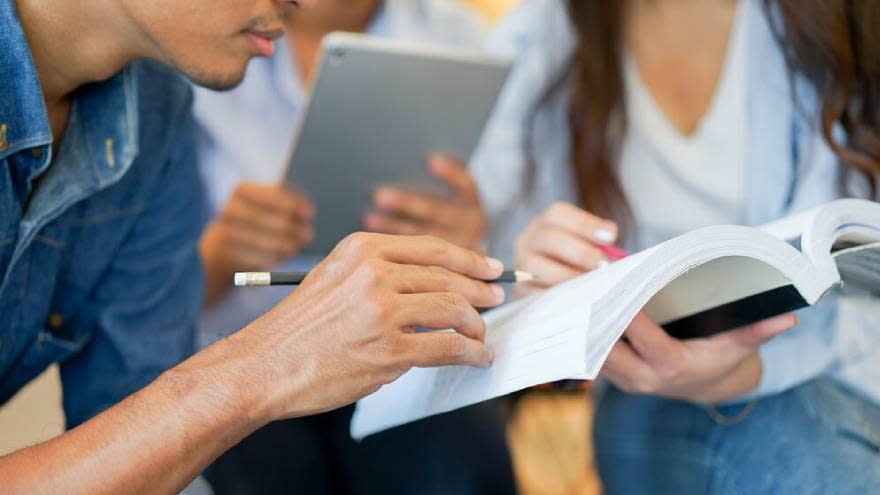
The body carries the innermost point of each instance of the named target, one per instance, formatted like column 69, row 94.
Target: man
column 245, row 137
column 98, row 224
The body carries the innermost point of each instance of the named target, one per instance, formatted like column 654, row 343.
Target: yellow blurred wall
column 494, row 9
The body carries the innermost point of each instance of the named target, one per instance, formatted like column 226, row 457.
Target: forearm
column 155, row 441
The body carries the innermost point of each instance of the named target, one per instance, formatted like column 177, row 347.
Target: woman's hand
column 260, row 226
column 712, row 370
column 562, row 243
column 459, row 220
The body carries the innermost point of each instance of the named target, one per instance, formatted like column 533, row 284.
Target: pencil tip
column 522, row 276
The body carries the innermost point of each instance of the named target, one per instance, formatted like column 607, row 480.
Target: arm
column 346, row 331
column 155, row 441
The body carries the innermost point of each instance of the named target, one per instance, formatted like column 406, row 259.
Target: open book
column 707, row 280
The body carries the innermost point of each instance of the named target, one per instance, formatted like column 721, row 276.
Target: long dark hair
column 834, row 44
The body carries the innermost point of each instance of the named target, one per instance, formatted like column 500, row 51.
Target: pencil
column 254, row 279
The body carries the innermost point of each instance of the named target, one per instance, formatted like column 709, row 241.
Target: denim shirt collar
column 103, row 113
column 24, row 122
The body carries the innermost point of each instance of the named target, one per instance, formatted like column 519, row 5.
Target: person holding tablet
column 631, row 122
column 245, row 138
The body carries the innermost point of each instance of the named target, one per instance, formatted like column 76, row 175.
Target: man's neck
column 74, row 43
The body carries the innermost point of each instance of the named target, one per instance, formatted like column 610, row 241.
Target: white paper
column 537, row 340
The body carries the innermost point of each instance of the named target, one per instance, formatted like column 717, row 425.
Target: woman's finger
column 547, row 271
column 377, row 222
column 751, row 337
column 417, row 207
column 569, row 248
column 568, row 217
column 652, row 342
column 628, row 370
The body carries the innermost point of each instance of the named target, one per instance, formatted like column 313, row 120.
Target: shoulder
column 540, row 39
column 540, row 25
column 451, row 22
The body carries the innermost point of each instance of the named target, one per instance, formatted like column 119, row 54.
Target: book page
column 537, row 340
column 791, row 228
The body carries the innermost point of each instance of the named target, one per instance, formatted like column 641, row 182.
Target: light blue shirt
column 247, row 133
column 788, row 168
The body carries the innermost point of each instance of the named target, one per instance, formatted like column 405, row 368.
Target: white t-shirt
column 669, row 184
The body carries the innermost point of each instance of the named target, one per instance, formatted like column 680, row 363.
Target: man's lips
column 263, row 40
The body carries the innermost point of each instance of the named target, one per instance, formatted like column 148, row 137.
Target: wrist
column 743, row 380
column 214, row 385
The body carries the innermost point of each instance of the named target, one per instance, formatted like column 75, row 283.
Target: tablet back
column 378, row 109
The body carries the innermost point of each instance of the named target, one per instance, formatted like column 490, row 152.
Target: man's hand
column 459, row 220
column 707, row 371
column 346, row 331
column 349, row 328
column 260, row 226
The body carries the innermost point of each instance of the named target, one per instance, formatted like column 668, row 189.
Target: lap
column 816, row 438
column 463, row 452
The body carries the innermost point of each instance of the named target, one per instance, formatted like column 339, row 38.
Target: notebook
column 705, row 281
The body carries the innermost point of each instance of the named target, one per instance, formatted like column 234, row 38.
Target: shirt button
column 37, row 152
column 54, row 321
column 4, row 142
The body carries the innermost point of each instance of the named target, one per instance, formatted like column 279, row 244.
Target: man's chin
column 215, row 79
column 217, row 82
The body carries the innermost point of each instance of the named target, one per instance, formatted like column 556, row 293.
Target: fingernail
column 499, row 293
column 491, row 355
column 604, row 236
column 495, row 264
column 602, row 264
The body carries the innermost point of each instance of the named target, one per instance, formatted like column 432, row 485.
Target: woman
column 657, row 117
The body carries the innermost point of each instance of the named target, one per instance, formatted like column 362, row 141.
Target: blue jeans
column 815, row 438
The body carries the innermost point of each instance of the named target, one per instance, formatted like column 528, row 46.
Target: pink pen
column 613, row 253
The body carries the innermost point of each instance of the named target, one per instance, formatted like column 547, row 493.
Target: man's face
column 211, row 41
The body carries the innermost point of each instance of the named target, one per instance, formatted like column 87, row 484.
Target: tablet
column 379, row 108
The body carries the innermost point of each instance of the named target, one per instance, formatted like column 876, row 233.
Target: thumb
column 455, row 175
column 752, row 336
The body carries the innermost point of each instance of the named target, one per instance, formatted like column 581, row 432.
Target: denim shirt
column 98, row 266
